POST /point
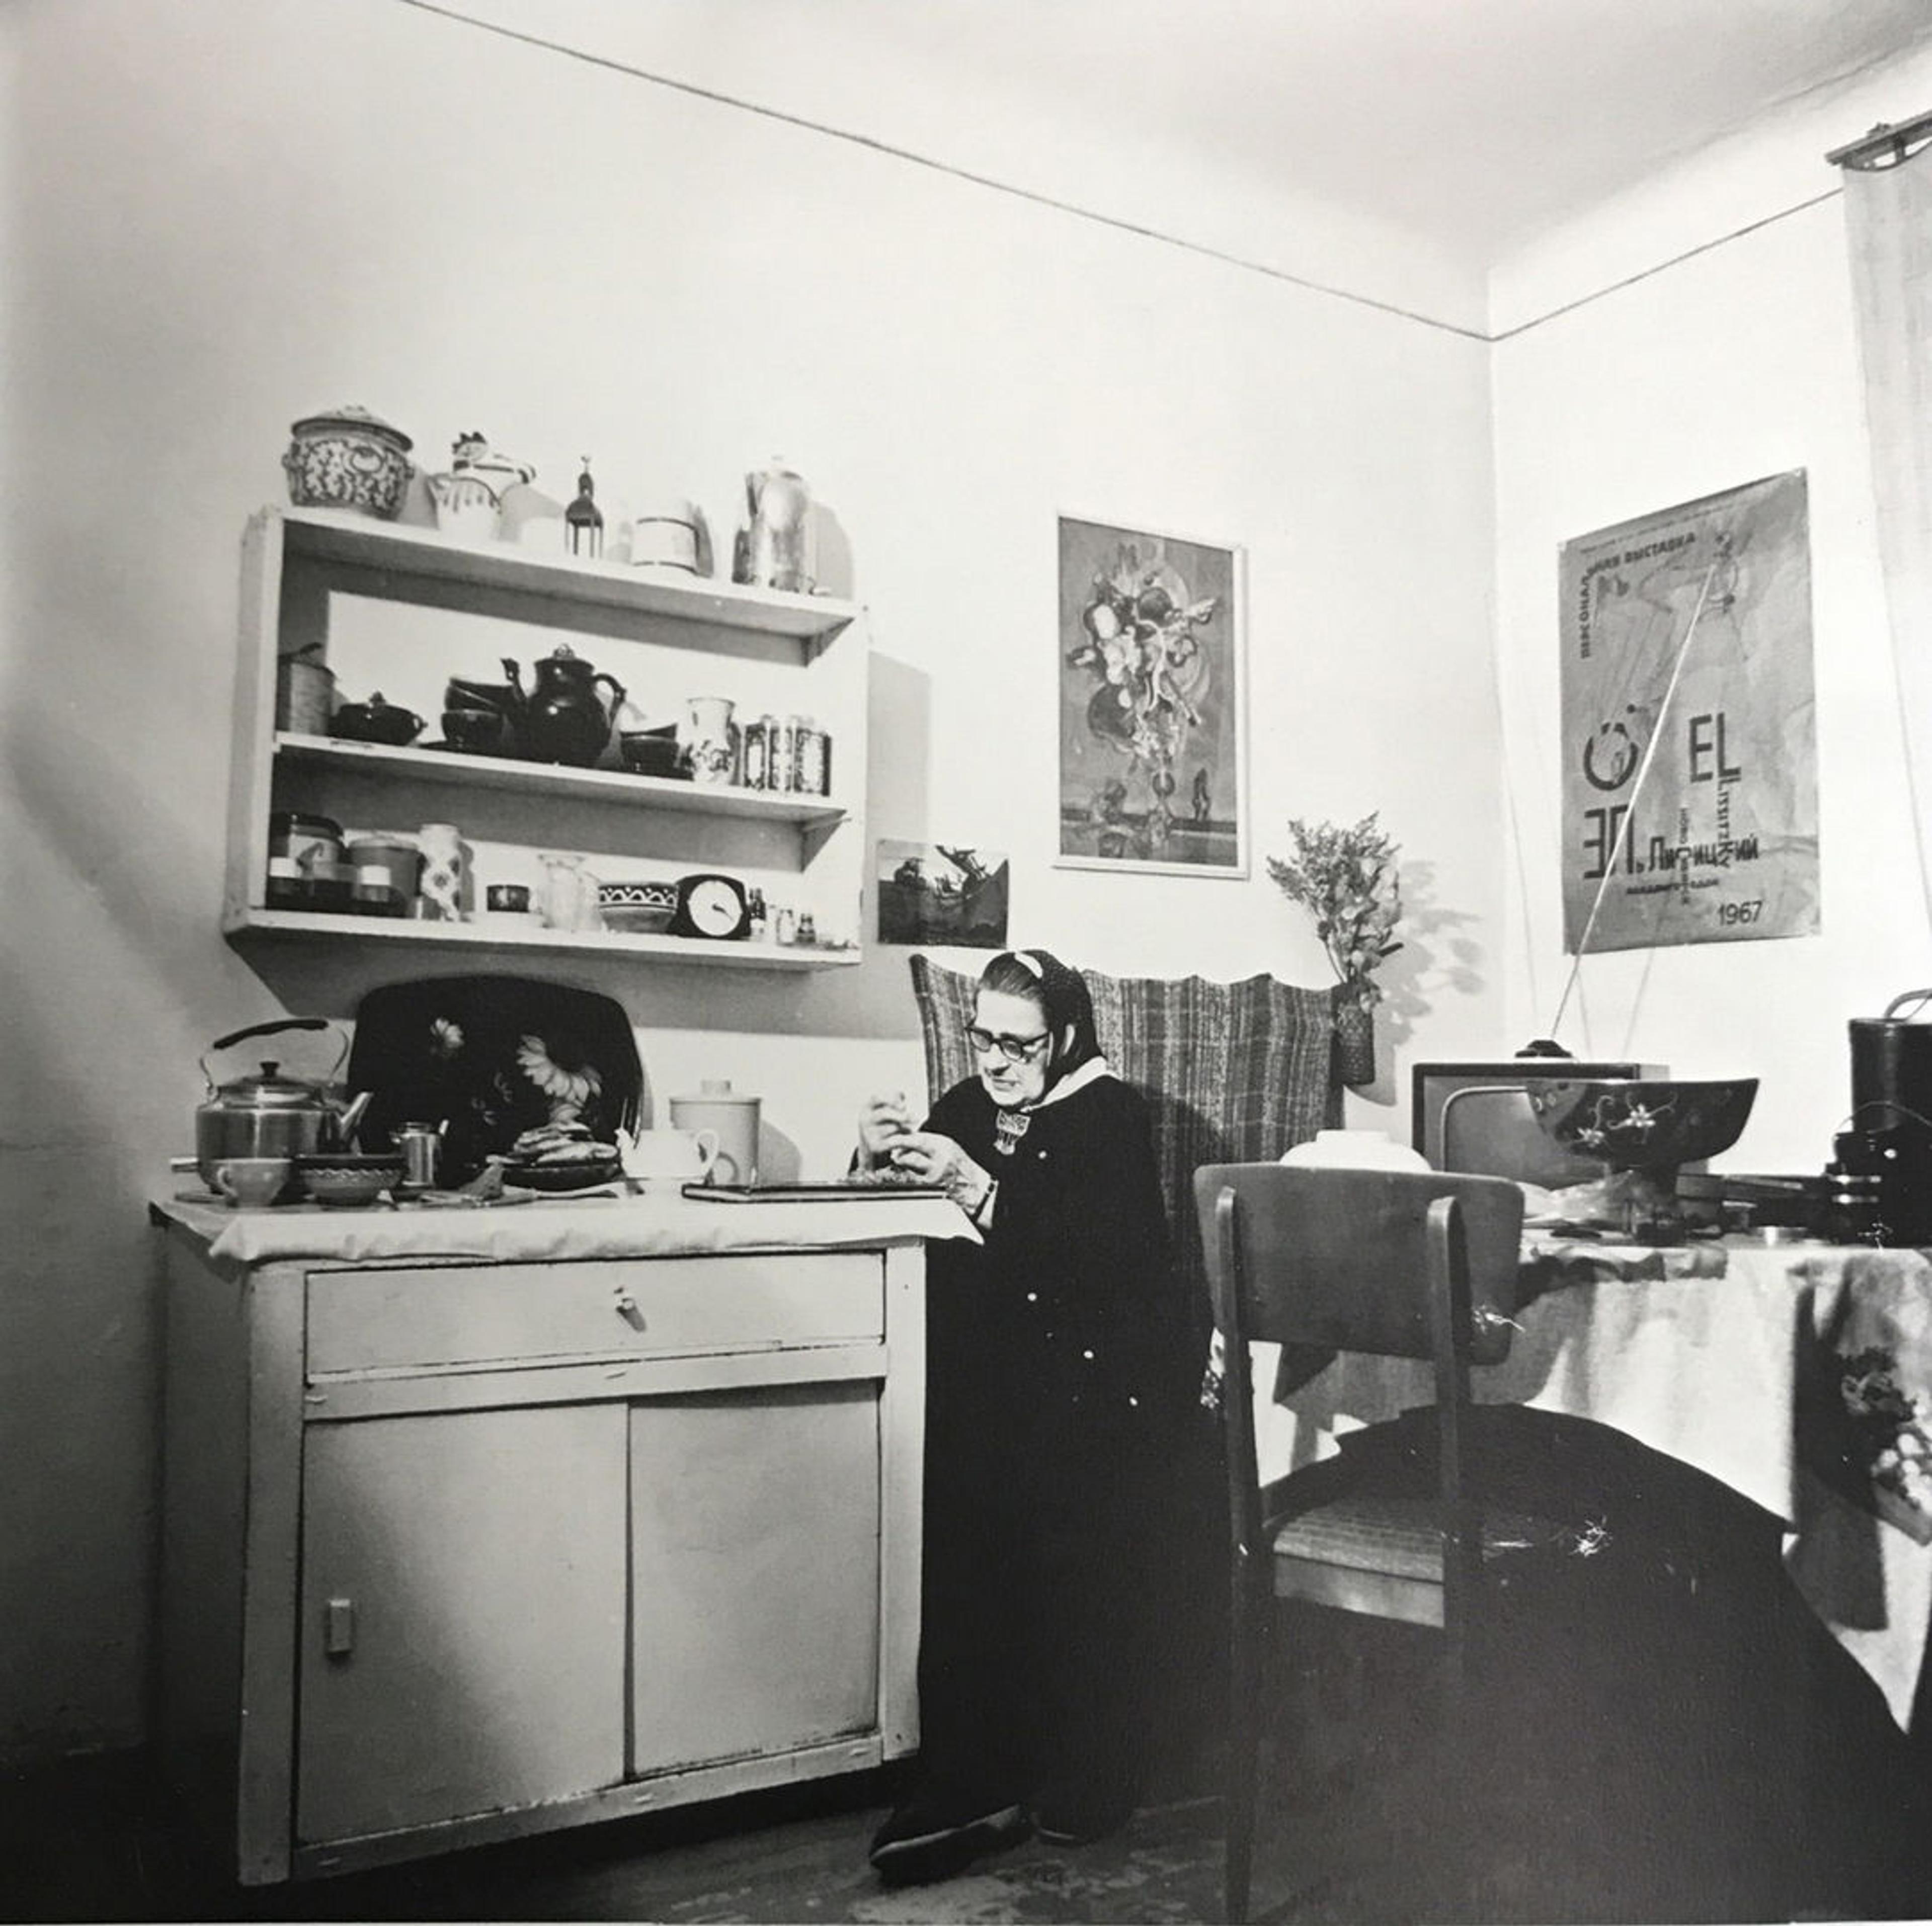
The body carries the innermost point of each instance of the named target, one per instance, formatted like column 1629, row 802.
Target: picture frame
column 1152, row 702
column 933, row 893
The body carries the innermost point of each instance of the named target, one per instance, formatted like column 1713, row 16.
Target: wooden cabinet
column 398, row 610
column 462, row 1616
column 456, row 1551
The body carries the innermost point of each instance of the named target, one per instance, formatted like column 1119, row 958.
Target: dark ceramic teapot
column 562, row 717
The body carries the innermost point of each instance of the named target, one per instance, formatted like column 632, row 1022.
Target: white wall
column 226, row 215
column 1729, row 354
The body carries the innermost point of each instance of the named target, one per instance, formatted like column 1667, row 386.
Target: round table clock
column 713, row 906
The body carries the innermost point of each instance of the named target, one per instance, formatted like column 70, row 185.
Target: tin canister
column 754, row 749
column 778, row 752
column 421, row 1146
column 809, row 761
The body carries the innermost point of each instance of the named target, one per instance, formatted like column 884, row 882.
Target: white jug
column 667, row 1158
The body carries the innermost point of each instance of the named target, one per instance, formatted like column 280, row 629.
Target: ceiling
column 1476, row 122
column 1484, row 119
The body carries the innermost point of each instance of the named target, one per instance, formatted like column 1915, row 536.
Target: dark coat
column 1066, row 1325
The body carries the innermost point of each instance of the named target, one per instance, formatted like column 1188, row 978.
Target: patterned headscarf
column 1064, row 1001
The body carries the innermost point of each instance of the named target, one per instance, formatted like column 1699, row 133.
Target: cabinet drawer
column 494, row 1313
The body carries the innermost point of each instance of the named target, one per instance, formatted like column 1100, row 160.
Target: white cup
column 249, row 1183
column 662, row 1159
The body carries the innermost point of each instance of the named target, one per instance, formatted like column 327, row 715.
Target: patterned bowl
column 1640, row 1125
column 346, row 1178
column 637, row 909
column 348, row 458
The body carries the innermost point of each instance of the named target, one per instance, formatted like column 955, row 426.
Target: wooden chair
column 1394, row 1263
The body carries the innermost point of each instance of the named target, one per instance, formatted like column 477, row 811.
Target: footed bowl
column 1653, row 1124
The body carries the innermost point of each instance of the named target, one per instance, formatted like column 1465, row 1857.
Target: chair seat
column 1401, row 1537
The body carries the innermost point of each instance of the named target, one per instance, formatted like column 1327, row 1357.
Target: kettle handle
column 274, row 1027
column 1899, row 1002
column 620, row 695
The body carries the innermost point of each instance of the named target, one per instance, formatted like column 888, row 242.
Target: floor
column 1369, row 1824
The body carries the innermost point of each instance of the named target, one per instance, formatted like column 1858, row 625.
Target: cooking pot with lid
column 269, row 1115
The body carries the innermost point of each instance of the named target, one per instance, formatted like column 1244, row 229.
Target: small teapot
column 468, row 498
column 665, row 1159
column 563, row 718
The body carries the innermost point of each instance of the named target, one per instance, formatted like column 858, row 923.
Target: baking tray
column 489, row 1057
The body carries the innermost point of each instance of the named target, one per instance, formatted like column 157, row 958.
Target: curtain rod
column 1886, row 146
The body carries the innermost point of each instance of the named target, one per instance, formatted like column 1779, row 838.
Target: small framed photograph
column 1152, row 774
column 932, row 893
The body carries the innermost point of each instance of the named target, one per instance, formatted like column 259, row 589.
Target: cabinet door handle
column 627, row 1309
column 338, row 1628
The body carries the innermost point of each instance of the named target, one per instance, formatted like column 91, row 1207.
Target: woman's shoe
column 930, row 1837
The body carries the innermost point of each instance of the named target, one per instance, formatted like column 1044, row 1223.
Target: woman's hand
column 938, row 1160
column 882, row 1123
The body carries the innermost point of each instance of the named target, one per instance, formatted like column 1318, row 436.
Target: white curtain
column 1888, row 214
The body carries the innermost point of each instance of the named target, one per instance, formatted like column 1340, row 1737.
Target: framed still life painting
column 1152, row 774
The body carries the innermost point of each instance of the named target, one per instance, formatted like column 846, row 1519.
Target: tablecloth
column 662, row 1225
column 1800, row 1375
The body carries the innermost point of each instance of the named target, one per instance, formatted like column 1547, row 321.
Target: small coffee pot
column 775, row 548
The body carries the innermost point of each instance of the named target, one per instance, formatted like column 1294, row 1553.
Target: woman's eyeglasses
column 1015, row 1050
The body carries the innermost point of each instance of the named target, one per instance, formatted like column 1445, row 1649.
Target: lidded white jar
column 1357, row 1150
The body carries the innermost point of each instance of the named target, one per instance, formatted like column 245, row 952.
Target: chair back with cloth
column 1400, row 1264
column 1230, row 1072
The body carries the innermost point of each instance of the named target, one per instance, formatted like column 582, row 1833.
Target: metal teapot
column 563, row 718
column 267, row 1114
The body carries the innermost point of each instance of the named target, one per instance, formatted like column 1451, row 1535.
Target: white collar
column 1091, row 1071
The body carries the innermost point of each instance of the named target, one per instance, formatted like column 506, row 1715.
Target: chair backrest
column 1400, row 1263
column 1349, row 1260
column 1231, row 1071
column 1490, row 1130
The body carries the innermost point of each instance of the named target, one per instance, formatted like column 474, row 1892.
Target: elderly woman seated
column 1059, row 1376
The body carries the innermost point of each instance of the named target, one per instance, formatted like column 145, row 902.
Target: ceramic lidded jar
column 348, row 458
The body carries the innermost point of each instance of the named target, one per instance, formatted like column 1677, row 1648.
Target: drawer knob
column 627, row 1309
column 338, row 1628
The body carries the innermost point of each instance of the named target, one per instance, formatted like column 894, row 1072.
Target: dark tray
column 452, row 1051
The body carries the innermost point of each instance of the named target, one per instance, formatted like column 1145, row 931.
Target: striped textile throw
column 1232, row 1073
